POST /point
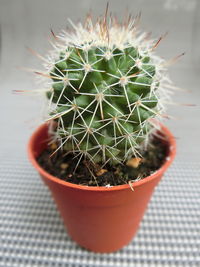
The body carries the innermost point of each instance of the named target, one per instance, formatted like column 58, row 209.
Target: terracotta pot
column 100, row 219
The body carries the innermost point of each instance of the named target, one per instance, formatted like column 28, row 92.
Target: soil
column 63, row 166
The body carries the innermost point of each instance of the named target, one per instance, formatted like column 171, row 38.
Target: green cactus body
column 105, row 90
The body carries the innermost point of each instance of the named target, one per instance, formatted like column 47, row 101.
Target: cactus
column 107, row 86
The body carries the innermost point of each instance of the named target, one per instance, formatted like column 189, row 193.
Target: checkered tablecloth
column 32, row 232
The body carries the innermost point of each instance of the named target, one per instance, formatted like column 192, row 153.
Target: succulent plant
column 106, row 87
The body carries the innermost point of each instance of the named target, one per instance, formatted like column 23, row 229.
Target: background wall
column 27, row 23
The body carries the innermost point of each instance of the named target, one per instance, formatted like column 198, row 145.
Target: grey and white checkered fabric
column 32, row 233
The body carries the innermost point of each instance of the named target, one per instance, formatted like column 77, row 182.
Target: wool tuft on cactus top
column 106, row 87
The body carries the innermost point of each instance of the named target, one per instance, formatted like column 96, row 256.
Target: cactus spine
column 106, row 86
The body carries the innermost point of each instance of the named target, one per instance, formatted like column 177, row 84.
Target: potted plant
column 102, row 149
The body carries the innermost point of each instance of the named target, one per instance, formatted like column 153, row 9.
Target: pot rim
column 169, row 159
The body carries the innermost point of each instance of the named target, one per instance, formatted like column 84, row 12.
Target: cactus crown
column 106, row 87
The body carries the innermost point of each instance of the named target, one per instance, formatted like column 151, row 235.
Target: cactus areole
column 106, row 87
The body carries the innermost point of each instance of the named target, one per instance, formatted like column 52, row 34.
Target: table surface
column 31, row 231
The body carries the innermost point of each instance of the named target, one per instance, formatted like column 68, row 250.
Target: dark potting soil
column 64, row 166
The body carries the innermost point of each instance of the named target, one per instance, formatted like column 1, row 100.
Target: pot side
column 100, row 219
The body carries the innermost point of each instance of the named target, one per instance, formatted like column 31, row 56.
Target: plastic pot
column 101, row 219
